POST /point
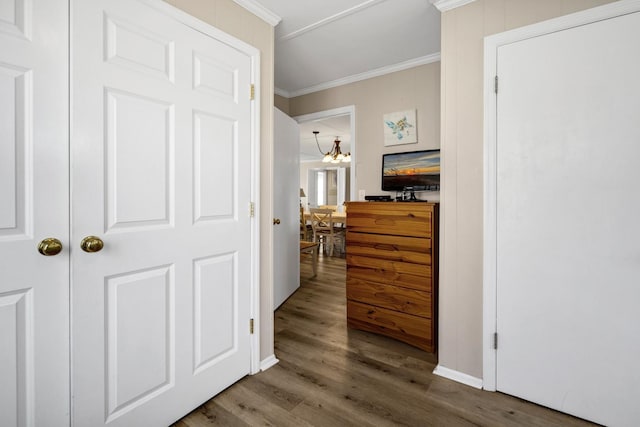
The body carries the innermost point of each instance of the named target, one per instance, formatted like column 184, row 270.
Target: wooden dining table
column 336, row 217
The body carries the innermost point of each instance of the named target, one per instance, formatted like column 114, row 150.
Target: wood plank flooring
column 331, row 376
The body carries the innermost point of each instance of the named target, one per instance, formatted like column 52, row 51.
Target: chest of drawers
column 392, row 270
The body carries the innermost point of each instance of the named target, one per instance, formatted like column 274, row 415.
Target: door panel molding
column 150, row 341
column 18, row 22
column 17, row 370
column 16, row 186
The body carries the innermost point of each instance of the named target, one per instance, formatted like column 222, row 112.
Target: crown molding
column 330, row 19
column 260, row 11
column 415, row 62
column 444, row 5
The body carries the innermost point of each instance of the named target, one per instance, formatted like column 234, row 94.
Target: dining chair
column 324, row 230
column 306, row 232
column 335, row 208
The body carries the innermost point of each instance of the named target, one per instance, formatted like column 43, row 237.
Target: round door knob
column 276, row 221
column 50, row 247
column 92, row 244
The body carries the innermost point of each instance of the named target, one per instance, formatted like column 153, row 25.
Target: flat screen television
column 415, row 170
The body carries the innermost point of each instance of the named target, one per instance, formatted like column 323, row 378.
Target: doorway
column 337, row 120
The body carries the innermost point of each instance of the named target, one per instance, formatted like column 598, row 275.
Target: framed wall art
column 400, row 128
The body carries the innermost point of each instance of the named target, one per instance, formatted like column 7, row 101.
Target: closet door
column 161, row 175
column 34, row 287
column 568, row 251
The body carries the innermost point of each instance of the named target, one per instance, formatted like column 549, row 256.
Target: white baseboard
column 268, row 362
column 458, row 376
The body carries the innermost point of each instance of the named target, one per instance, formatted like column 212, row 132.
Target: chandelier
column 335, row 155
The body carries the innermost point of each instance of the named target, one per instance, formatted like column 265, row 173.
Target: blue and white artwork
column 400, row 128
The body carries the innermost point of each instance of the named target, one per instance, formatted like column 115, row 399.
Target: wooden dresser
column 392, row 270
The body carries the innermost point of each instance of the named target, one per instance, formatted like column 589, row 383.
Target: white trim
column 255, row 226
column 589, row 16
column 491, row 45
column 260, row 11
column 355, row 9
column 202, row 26
column 340, row 111
column 458, row 376
column 445, row 5
column 489, row 307
column 415, row 62
column 268, row 362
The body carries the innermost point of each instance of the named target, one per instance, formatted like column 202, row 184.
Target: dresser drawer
column 399, row 219
column 398, row 273
column 394, row 248
column 410, row 301
column 413, row 330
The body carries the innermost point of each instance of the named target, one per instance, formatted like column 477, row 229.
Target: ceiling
column 322, row 44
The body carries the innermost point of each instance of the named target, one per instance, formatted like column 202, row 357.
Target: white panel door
column 161, row 174
column 34, row 289
column 286, row 207
column 568, row 251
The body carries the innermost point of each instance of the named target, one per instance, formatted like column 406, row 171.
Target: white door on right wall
column 568, row 227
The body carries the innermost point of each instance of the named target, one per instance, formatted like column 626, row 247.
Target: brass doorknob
column 92, row 244
column 50, row 247
column 276, row 221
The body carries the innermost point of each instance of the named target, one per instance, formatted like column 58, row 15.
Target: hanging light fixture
column 335, row 155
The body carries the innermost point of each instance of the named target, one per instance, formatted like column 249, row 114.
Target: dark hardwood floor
column 331, row 376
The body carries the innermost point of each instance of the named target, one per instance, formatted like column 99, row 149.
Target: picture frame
column 400, row 128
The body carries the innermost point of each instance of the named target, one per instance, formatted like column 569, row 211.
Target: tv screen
column 416, row 170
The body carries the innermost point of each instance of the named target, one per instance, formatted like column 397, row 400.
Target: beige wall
column 238, row 22
column 281, row 103
column 463, row 30
column 418, row 88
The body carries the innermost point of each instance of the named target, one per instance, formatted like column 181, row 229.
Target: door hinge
column 252, row 209
column 252, row 92
column 495, row 85
column 495, row 340
column 251, row 326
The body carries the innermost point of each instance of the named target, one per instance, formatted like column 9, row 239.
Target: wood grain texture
column 329, row 375
column 413, row 330
column 413, row 276
column 393, row 248
column 410, row 301
column 398, row 219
